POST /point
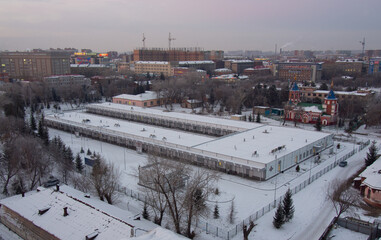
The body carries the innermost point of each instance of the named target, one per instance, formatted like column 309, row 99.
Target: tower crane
column 170, row 39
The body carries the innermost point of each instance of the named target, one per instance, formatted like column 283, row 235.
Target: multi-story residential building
column 298, row 71
column 311, row 93
column 66, row 81
column 157, row 68
column 351, row 67
column 35, row 65
column 208, row 66
column 176, row 54
column 237, row 66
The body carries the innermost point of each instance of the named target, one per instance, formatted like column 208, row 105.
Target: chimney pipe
column 65, row 211
column 57, row 188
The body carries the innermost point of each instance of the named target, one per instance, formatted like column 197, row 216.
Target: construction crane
column 144, row 41
column 363, row 46
column 170, row 40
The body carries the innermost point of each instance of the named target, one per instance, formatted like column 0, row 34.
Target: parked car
column 343, row 163
column 51, row 182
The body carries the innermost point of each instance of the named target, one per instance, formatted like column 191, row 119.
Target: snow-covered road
column 319, row 222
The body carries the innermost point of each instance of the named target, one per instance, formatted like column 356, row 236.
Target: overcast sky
column 103, row 25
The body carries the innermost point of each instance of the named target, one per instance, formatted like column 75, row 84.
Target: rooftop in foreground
column 44, row 208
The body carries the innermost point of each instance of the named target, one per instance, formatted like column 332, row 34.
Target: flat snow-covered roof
column 241, row 125
column 83, row 219
column 120, row 127
column 148, row 95
column 262, row 139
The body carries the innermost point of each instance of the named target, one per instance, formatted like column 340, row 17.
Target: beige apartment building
column 34, row 66
column 156, row 68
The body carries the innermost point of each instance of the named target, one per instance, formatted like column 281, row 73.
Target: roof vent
column 92, row 235
column 65, row 212
column 43, row 210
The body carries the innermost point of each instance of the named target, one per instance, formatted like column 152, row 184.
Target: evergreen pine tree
column 258, row 118
column 45, row 135
column 318, row 124
column 288, row 206
column 297, row 169
column 88, row 152
column 162, row 77
column 279, row 216
column 216, row 213
column 250, row 119
column 145, row 211
column 32, row 122
column 40, row 129
column 82, row 151
column 78, row 163
column 372, row 155
column 68, row 155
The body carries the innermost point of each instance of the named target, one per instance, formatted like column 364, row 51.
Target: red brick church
column 310, row 112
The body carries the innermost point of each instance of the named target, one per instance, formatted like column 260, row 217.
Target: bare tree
column 247, row 230
column 183, row 190
column 105, row 179
column 341, row 196
column 9, row 164
column 34, row 159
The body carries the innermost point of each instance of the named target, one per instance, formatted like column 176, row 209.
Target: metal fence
column 224, row 233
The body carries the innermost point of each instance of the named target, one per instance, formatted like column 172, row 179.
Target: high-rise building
column 35, row 65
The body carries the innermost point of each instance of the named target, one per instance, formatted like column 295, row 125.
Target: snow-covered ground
column 340, row 233
column 249, row 196
column 313, row 212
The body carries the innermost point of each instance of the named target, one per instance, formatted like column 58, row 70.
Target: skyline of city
column 252, row 25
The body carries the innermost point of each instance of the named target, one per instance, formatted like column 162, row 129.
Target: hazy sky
column 212, row 24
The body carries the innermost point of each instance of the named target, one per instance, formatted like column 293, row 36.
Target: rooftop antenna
column 363, row 46
column 170, row 40
column 144, row 41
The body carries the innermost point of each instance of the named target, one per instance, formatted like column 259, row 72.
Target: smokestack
column 65, row 212
column 280, row 51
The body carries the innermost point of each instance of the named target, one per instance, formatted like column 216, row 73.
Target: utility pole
column 170, row 40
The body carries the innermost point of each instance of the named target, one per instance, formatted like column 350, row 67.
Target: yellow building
column 156, row 68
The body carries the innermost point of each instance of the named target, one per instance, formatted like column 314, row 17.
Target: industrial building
column 246, row 149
